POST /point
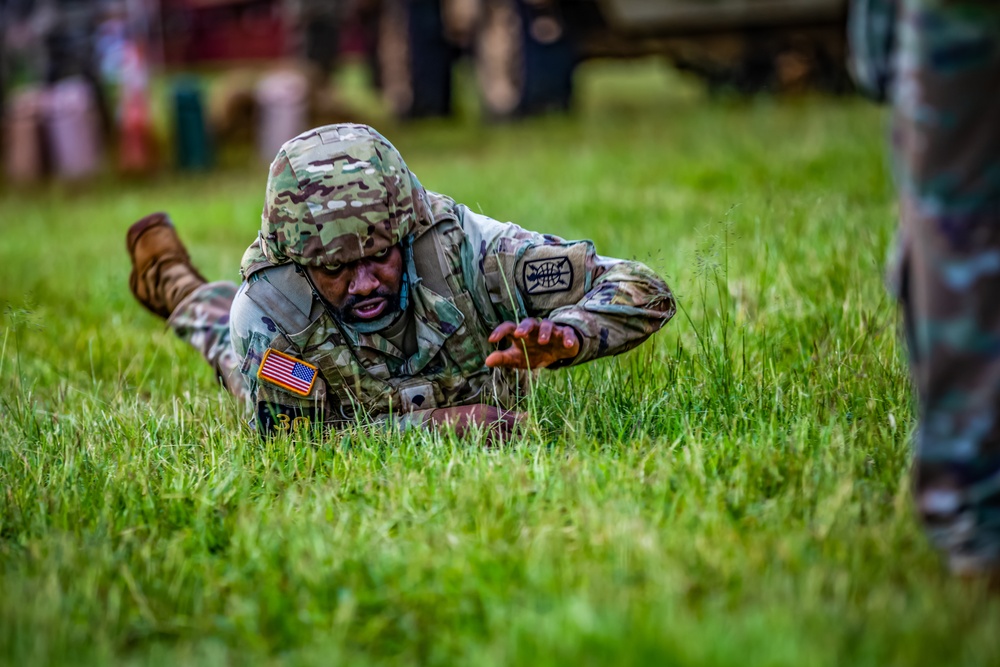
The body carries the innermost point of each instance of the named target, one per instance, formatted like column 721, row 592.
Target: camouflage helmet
column 338, row 193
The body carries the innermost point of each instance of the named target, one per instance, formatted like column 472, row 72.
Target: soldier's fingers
column 509, row 358
column 545, row 331
column 503, row 330
column 569, row 337
column 526, row 326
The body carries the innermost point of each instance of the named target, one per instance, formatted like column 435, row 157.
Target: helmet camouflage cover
column 338, row 193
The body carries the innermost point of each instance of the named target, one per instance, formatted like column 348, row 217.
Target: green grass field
column 734, row 492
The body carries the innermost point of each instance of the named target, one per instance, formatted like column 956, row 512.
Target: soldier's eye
column 333, row 268
column 381, row 253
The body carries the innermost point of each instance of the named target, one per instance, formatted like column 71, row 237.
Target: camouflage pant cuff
column 970, row 549
column 963, row 522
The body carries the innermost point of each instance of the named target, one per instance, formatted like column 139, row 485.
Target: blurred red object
column 137, row 142
column 197, row 31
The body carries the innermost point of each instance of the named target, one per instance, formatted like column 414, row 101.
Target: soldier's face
column 364, row 290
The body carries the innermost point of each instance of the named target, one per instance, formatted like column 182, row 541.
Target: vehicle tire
column 524, row 60
column 414, row 59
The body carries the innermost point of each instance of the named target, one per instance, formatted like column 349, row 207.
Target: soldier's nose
column 364, row 281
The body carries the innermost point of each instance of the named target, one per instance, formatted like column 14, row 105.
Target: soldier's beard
column 392, row 310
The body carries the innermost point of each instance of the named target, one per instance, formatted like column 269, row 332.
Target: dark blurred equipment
column 414, row 58
column 525, row 50
column 193, row 144
column 318, row 24
column 752, row 46
column 523, row 57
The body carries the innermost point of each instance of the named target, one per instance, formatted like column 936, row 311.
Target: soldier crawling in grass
column 367, row 298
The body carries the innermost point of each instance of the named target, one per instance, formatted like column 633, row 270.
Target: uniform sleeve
column 871, row 29
column 271, row 410
column 614, row 304
column 251, row 337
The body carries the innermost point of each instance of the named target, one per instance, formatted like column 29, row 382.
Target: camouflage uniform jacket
column 468, row 274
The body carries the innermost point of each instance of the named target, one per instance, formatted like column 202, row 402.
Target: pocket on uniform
column 281, row 411
column 278, row 419
column 255, row 354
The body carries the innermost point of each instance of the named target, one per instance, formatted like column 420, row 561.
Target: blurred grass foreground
column 734, row 492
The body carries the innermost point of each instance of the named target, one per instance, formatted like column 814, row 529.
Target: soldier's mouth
column 369, row 309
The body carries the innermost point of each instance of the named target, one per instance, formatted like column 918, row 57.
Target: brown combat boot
column 162, row 274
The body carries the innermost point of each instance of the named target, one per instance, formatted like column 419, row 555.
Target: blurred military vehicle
column 524, row 51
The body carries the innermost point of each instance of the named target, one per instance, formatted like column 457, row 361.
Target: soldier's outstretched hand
column 533, row 343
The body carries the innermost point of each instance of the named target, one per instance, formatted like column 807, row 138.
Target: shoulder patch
column 286, row 371
column 551, row 274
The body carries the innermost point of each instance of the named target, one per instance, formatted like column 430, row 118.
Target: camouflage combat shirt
column 467, row 274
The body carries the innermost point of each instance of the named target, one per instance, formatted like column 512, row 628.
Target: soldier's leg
column 202, row 319
column 167, row 284
column 947, row 141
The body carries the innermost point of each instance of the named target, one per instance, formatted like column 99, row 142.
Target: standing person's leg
column 947, row 143
column 167, row 284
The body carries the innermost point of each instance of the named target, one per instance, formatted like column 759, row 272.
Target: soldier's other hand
column 533, row 343
column 499, row 424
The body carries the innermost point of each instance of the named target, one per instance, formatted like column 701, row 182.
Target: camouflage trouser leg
column 202, row 319
column 947, row 143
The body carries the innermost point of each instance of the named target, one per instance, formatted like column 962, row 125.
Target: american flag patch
column 288, row 372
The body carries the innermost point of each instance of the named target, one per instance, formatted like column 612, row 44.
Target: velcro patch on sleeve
column 273, row 418
column 287, row 372
column 551, row 276
column 542, row 276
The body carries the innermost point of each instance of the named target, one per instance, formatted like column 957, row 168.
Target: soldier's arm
column 613, row 304
column 270, row 408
